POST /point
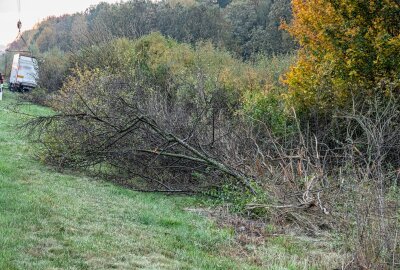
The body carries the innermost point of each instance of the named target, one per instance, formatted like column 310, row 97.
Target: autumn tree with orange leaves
column 348, row 48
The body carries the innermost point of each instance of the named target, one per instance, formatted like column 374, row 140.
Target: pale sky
column 34, row 11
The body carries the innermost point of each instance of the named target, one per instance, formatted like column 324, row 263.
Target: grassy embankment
column 51, row 220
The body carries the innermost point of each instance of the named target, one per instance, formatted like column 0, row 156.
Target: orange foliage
column 347, row 47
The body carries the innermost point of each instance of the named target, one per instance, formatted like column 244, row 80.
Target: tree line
column 244, row 27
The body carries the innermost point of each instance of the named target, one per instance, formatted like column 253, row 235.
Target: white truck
column 24, row 73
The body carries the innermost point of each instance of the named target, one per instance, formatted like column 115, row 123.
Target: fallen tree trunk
column 169, row 146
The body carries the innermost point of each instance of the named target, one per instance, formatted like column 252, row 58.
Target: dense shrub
column 53, row 69
column 347, row 49
column 180, row 69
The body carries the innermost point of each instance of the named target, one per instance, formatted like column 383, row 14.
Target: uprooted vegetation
column 320, row 152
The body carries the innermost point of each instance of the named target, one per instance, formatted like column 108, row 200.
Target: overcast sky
column 33, row 11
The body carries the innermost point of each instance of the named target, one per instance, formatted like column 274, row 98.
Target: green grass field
column 51, row 220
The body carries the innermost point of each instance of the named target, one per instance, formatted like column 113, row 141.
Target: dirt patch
column 264, row 244
column 246, row 231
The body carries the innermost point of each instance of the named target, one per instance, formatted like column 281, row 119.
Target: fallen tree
column 140, row 134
